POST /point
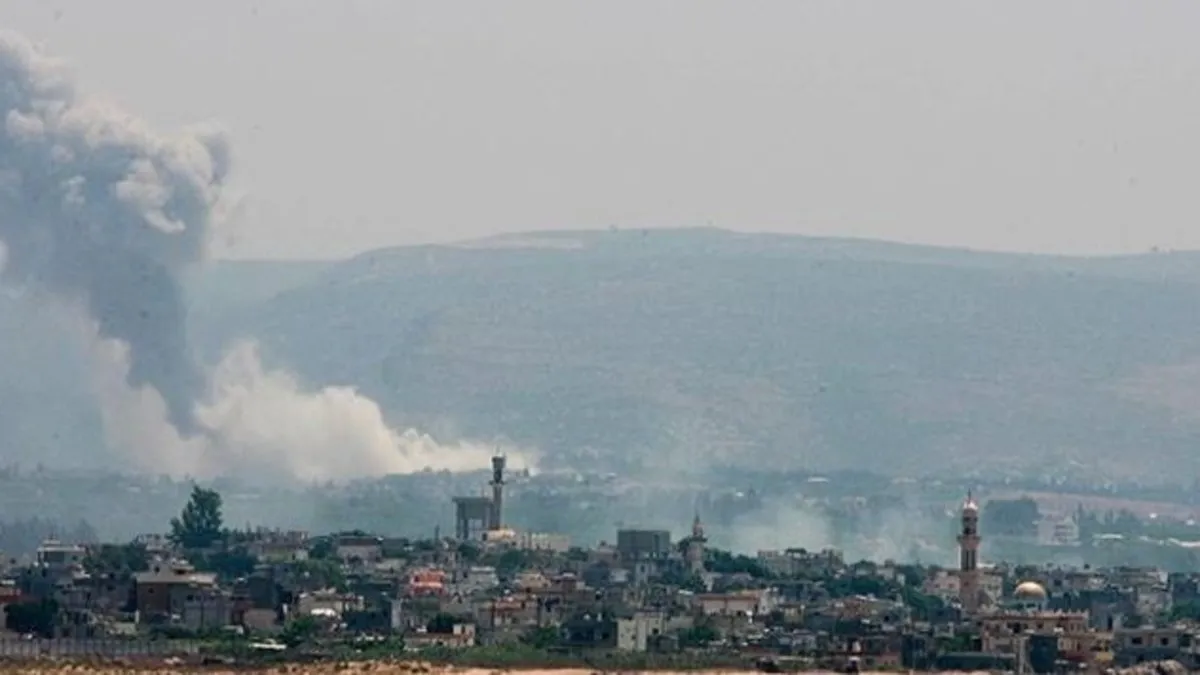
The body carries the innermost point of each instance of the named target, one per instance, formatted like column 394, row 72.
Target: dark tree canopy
column 442, row 623
column 36, row 617
column 200, row 525
column 121, row 560
column 1010, row 517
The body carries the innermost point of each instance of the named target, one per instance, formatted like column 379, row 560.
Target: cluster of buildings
column 1046, row 619
column 644, row 592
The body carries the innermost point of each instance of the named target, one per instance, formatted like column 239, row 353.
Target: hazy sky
column 1042, row 126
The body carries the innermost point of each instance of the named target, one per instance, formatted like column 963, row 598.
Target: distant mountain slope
column 682, row 350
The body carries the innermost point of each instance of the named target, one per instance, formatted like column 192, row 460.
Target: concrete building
column 328, row 601
column 165, row 589
column 636, row 634
column 1140, row 645
column 543, row 541
column 365, row 549
column 643, row 544
column 1003, row 632
column 475, row 516
column 802, row 562
column 1058, row 531
column 55, row 555
column 474, row 579
column 207, row 609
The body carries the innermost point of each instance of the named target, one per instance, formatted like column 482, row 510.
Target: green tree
column 442, row 623
column 320, row 574
column 841, row 587
column 300, row 630
column 724, row 562
column 228, row 564
column 698, row 636
column 541, row 637
column 322, row 549
column 469, row 552
column 924, row 607
column 1011, row 517
column 38, row 617
column 200, row 525
column 511, row 561
column 120, row 560
column 1184, row 611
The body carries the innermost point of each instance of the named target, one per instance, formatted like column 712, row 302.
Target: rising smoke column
column 97, row 209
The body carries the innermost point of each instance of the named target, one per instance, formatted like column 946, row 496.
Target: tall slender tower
column 495, row 515
column 968, row 568
column 695, row 547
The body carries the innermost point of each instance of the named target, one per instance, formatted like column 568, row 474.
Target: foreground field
column 375, row 668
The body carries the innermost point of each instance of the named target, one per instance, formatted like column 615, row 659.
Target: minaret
column 496, row 513
column 695, row 547
column 968, row 568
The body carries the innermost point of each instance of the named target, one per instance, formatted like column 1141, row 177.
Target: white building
column 474, row 579
column 635, row 634
column 57, row 555
column 1058, row 531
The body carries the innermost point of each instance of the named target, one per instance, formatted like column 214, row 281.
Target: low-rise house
column 747, row 603
column 799, row 562
column 328, row 602
column 516, row 611
column 1132, row 646
column 277, row 547
column 638, row 633
column 425, row 581
column 474, row 579
column 207, row 609
column 260, row 620
column 55, row 555
column 360, row 549
column 461, row 636
column 164, row 588
column 944, row 585
column 1152, row 600
column 1003, row 632
column 542, row 541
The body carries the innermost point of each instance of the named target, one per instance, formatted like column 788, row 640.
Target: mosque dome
column 1030, row 591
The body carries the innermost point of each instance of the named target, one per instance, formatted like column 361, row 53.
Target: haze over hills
column 685, row 350
column 689, row 349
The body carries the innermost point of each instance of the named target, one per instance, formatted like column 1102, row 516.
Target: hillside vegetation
column 682, row 351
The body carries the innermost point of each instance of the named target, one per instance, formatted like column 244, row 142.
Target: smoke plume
column 104, row 214
column 96, row 208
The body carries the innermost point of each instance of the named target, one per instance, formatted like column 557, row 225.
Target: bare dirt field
column 360, row 668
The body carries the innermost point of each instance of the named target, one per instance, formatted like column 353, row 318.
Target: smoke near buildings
column 103, row 214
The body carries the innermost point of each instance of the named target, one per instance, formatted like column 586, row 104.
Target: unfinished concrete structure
column 473, row 516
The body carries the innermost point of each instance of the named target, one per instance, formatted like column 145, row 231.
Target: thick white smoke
column 264, row 426
column 104, row 214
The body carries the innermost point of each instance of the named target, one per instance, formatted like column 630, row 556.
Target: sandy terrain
column 375, row 668
column 372, row 667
